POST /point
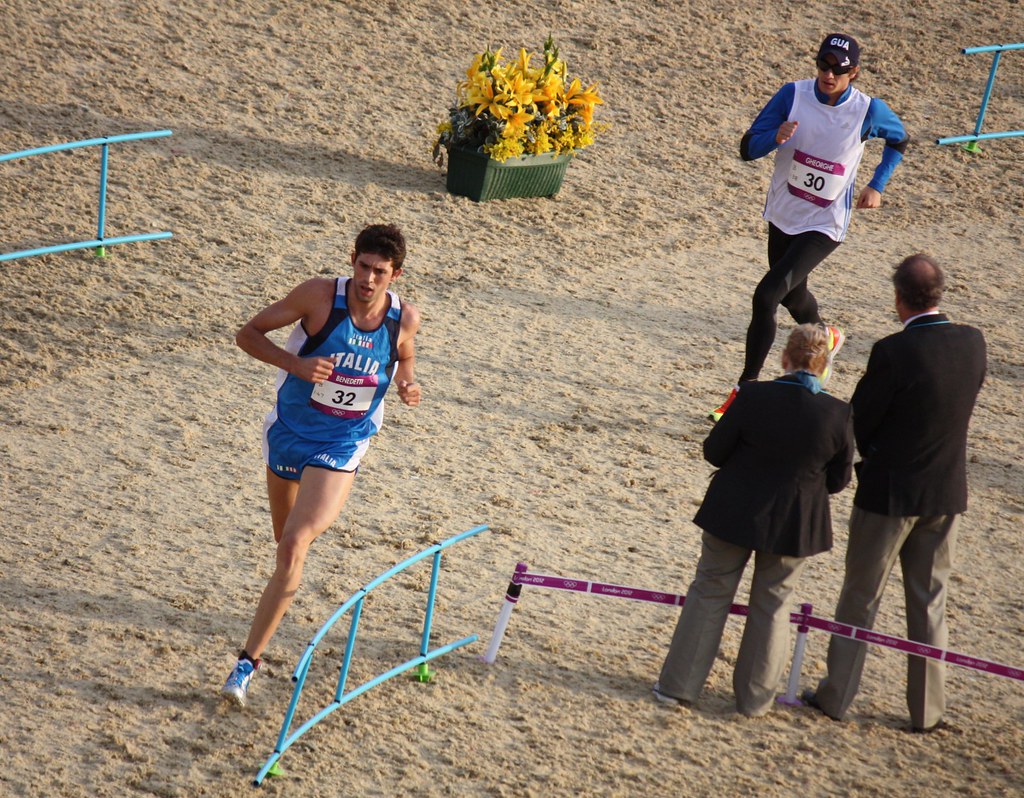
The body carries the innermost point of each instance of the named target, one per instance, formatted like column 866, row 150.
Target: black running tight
column 791, row 258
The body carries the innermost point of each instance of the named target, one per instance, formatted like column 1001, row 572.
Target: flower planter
column 480, row 177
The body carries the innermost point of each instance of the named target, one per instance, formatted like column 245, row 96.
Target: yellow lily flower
column 515, row 124
column 576, row 95
column 546, row 95
column 522, row 66
column 519, row 92
column 485, row 98
column 471, row 89
column 474, row 68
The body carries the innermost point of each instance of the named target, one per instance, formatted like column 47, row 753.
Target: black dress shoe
column 810, row 698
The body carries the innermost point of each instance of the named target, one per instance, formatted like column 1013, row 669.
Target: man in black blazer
column 911, row 410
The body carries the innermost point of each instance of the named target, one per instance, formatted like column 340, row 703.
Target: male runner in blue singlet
column 352, row 338
column 817, row 129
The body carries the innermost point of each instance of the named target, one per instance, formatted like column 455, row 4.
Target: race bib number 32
column 815, row 179
column 344, row 395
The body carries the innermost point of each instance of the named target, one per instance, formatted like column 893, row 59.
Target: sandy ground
column 569, row 351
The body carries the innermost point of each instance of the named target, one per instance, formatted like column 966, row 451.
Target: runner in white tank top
column 817, row 129
column 812, row 186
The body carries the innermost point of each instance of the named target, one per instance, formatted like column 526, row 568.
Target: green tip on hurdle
column 423, row 674
column 971, row 146
column 101, row 252
column 275, row 770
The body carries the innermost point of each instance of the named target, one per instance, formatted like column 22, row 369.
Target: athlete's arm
column 882, row 123
column 305, row 303
column 405, row 374
column 761, row 138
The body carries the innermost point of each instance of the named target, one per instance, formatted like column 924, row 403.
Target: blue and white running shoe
column 237, row 686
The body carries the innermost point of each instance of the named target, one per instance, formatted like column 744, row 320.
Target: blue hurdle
column 971, row 144
column 423, row 673
column 100, row 242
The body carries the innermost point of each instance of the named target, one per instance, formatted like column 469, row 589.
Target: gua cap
column 843, row 47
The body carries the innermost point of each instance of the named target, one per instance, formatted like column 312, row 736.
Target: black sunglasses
column 835, row 69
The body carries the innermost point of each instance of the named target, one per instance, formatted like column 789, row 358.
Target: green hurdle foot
column 275, row 770
column 423, row 673
column 971, row 146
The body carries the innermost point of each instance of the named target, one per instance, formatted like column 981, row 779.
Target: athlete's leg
column 790, row 259
column 809, row 250
column 281, row 494
column 307, row 512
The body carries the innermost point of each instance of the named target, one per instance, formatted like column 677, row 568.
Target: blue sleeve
column 882, row 123
column 759, row 140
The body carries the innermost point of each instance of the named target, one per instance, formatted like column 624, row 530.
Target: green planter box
column 479, row 177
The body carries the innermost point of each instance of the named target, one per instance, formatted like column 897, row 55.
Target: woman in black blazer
column 781, row 449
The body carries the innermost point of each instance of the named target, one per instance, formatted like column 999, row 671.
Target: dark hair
column 919, row 282
column 385, row 240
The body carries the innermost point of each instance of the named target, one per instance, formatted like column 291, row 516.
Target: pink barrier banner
column 615, row 591
column 522, row 577
column 636, row 594
column 555, row 582
column 911, row 647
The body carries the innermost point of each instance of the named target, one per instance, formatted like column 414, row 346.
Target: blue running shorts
column 287, row 455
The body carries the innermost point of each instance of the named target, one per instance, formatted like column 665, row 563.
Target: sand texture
column 570, row 350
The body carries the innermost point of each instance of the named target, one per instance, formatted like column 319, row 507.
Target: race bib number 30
column 815, row 179
column 344, row 395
